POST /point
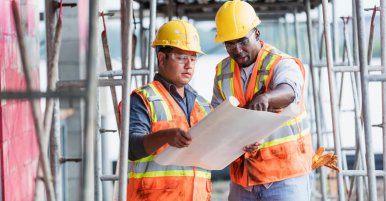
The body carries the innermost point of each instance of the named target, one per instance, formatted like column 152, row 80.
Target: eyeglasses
column 243, row 42
column 183, row 58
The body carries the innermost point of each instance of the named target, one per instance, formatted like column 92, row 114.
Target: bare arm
column 175, row 137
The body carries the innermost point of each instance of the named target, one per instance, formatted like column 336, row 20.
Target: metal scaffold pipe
column 383, row 64
column 315, row 96
column 126, row 50
column 153, row 12
column 331, row 84
column 365, row 101
column 51, row 114
column 91, row 104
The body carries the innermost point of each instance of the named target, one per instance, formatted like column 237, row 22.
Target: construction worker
column 265, row 79
column 161, row 112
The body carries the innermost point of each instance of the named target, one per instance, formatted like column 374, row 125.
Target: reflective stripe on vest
column 156, row 103
column 160, row 112
column 268, row 60
column 288, row 138
column 225, row 78
column 147, row 167
column 204, row 105
column 294, row 126
column 260, row 78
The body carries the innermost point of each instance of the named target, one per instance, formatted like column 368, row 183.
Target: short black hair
column 164, row 49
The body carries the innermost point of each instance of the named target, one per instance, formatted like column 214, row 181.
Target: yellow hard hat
column 180, row 34
column 234, row 20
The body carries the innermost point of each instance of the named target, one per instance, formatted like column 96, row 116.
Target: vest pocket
column 159, row 184
column 277, row 152
column 160, row 189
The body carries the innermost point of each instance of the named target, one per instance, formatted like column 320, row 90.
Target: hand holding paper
column 219, row 138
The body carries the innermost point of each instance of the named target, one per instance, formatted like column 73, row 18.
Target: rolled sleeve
column 140, row 126
column 287, row 71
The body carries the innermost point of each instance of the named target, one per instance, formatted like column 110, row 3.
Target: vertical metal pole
column 371, row 37
column 282, row 34
column 106, row 165
column 383, row 63
column 51, row 75
column 287, row 47
column 49, row 18
column 142, row 37
column 91, row 90
column 365, row 102
column 335, row 31
column 126, row 31
column 358, row 123
column 296, row 28
column 331, row 83
column 356, row 49
column 98, row 154
column 170, row 9
column 153, row 7
column 106, row 51
column 55, row 151
column 320, row 32
column 323, row 185
column 50, row 115
column 144, row 48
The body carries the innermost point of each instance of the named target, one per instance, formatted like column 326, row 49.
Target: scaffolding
column 356, row 63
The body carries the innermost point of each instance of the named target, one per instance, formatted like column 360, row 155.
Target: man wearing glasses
column 263, row 78
column 161, row 112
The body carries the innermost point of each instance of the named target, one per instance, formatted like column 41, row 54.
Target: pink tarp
column 18, row 150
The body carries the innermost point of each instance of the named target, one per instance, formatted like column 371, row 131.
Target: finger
column 185, row 135
column 261, row 107
column 319, row 151
column 264, row 107
column 246, row 148
column 177, row 144
column 274, row 110
column 250, row 148
column 251, row 107
column 182, row 141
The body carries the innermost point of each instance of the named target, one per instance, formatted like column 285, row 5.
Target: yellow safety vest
column 151, row 181
column 288, row 151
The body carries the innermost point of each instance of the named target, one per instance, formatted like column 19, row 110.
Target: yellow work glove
column 328, row 160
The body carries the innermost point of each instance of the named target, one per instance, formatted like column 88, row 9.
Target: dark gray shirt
column 140, row 123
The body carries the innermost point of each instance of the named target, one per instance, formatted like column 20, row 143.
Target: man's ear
column 161, row 59
column 257, row 34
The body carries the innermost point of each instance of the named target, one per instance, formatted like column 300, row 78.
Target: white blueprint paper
column 219, row 138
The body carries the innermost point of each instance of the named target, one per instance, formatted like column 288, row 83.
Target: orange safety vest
column 288, row 151
column 151, row 181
